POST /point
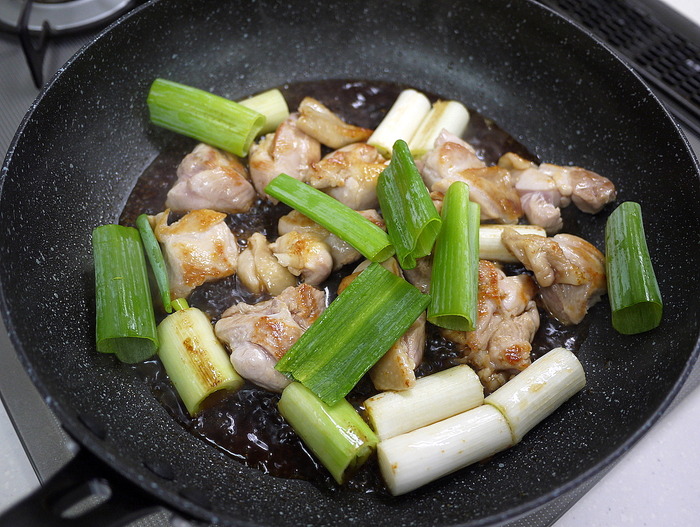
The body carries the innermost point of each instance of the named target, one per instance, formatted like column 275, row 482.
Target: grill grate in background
column 667, row 60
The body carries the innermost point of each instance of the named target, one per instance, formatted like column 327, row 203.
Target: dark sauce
column 246, row 424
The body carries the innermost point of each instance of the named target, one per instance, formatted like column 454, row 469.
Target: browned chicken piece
column 570, row 271
column 342, row 252
column 259, row 271
column 350, row 175
column 209, row 178
column 259, row 335
column 288, row 150
column 449, row 157
column 319, row 122
column 304, row 254
column 395, row 370
column 491, row 187
column 546, row 188
column 197, row 248
column 507, row 320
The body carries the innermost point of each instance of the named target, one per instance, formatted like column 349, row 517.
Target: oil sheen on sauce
column 247, row 425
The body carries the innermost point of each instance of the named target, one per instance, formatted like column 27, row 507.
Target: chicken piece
column 546, row 188
column 260, row 271
column 304, row 254
column 491, row 187
column 288, row 150
column 259, row 335
column 350, row 175
column 570, row 271
column 507, row 320
column 449, row 157
column 209, row 178
column 323, row 125
column 419, row 276
column 197, row 248
column 395, row 370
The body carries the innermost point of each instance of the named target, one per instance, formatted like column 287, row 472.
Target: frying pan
column 84, row 143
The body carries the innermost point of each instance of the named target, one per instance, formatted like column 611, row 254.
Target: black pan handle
column 85, row 480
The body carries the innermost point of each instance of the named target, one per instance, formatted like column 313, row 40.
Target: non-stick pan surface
column 569, row 100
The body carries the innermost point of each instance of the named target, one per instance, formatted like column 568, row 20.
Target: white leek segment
column 431, row 399
column 272, row 105
column 492, row 248
column 401, row 122
column 194, row 359
column 444, row 115
column 538, row 390
column 411, row 460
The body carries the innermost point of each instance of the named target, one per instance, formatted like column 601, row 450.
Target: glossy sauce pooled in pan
column 247, row 424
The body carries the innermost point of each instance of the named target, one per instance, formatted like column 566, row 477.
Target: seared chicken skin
column 323, row 125
column 449, row 157
column 259, row 335
column 288, row 150
column 259, row 271
column 304, row 254
column 499, row 348
column 569, row 270
column 198, row 248
column 209, row 178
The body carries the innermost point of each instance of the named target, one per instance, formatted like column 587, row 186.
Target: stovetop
column 36, row 447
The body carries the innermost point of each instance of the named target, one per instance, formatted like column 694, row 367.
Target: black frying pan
column 82, row 147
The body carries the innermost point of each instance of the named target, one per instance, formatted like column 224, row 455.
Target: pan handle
column 85, row 482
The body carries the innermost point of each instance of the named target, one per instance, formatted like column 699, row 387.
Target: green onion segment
column 272, row 105
column 411, row 218
column 455, row 275
column 125, row 321
column 155, row 258
column 204, row 116
column 356, row 330
column 633, row 291
column 336, row 434
column 349, row 225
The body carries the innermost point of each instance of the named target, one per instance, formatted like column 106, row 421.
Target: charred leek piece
column 491, row 246
column 194, row 359
column 411, row 218
column 444, row 115
column 349, row 225
column 455, row 276
column 401, row 122
column 408, row 461
column 155, row 258
column 125, row 321
column 633, row 291
column 203, row 116
column 537, row 391
column 336, row 434
column 433, row 398
column 272, row 105
column 359, row 326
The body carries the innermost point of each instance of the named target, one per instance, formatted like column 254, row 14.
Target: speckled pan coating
column 83, row 145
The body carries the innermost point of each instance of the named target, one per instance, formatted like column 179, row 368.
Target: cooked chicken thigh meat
column 449, row 157
column 350, row 175
column 259, row 271
column 323, row 125
column 198, row 248
column 570, row 271
column 259, row 335
column 288, row 150
column 209, row 178
column 507, row 321
column 304, row 254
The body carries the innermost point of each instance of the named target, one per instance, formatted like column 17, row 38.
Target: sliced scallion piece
column 633, row 291
column 359, row 326
column 272, row 105
column 203, row 116
column 401, row 121
column 193, row 357
column 349, row 225
column 126, row 324
column 155, row 258
column 336, row 434
column 411, row 218
column 454, row 280
column 444, row 115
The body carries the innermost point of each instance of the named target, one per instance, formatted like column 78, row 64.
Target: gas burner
column 63, row 16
